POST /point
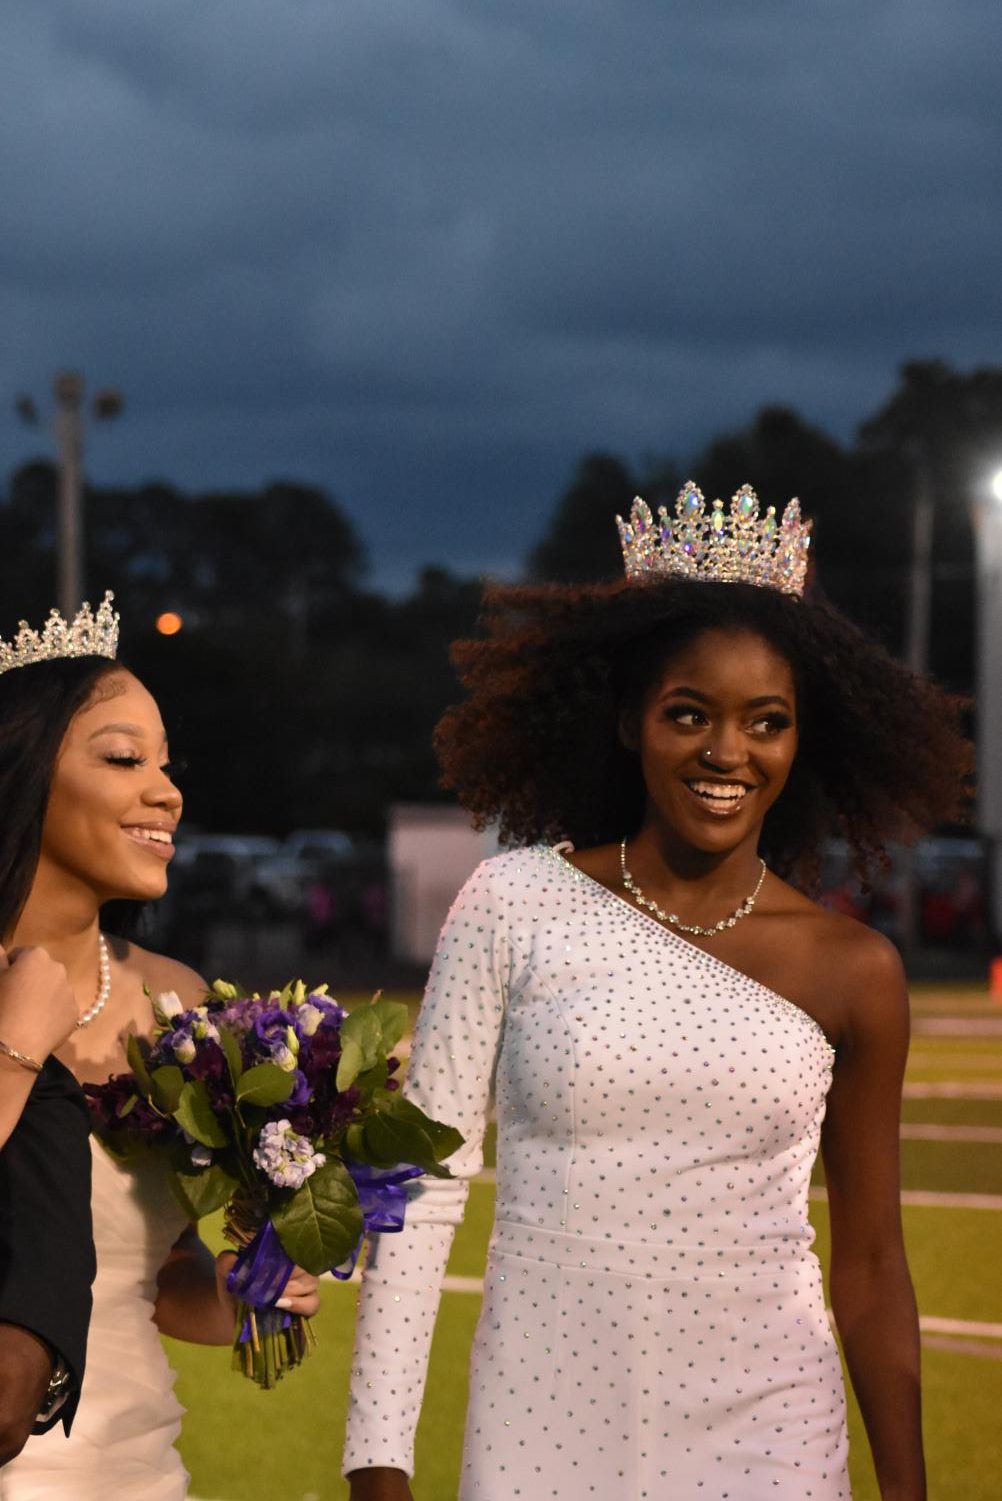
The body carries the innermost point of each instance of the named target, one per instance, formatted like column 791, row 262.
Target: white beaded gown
column 122, row 1442
column 653, row 1323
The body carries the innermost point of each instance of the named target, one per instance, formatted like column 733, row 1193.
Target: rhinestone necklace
column 673, row 917
column 103, row 983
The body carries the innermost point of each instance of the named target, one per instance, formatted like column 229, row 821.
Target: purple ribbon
column 262, row 1268
column 258, row 1276
column 383, row 1200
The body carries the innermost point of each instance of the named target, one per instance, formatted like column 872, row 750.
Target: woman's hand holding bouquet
column 284, row 1112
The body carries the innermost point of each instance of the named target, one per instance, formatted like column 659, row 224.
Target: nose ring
column 706, row 754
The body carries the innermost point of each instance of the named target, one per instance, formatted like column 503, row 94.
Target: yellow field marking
column 986, row 1063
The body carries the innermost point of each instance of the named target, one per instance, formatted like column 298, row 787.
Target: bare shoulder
column 860, row 968
column 159, row 973
column 600, row 861
column 865, row 956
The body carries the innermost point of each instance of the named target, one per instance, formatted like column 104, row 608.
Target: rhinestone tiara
column 89, row 635
column 741, row 547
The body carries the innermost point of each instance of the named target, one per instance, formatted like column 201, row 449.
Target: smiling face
column 112, row 808
column 716, row 734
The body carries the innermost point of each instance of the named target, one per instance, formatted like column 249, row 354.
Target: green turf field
column 244, row 1445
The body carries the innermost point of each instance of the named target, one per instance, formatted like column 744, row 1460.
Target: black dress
column 46, row 1242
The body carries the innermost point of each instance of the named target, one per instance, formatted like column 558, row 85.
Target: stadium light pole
column 68, row 391
column 919, row 617
column 988, row 550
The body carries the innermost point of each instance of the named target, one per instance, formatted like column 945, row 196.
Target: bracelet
column 57, row 1390
column 24, row 1059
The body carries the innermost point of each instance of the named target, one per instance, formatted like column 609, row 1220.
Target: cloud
column 428, row 253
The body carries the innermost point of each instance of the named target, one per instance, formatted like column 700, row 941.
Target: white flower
column 184, row 1051
column 285, row 1157
column 166, row 1006
column 309, row 1018
column 203, row 1027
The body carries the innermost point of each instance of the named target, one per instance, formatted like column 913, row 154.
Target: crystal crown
column 741, row 547
column 89, row 635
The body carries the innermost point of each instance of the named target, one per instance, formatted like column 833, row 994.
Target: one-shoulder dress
column 653, row 1321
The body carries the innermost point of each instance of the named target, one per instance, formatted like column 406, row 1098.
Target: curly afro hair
column 535, row 745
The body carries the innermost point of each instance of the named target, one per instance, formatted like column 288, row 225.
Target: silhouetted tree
column 859, row 521
column 941, row 430
column 581, row 545
column 302, row 699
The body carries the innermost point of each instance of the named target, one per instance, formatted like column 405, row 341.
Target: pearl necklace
column 673, row 918
column 103, row 983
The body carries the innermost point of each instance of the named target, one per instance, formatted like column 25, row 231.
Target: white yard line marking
column 978, row 1329
column 919, row 1198
column 463, row 1285
column 925, row 1131
column 957, row 1026
column 954, row 1089
column 929, row 1324
column 979, row 1348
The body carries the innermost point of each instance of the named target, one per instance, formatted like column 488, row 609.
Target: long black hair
column 37, row 704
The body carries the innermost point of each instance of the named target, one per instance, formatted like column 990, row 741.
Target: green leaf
column 389, row 1140
column 231, row 1051
column 370, row 1084
column 124, row 1146
column 319, row 1225
column 393, row 1020
column 128, row 1107
column 137, row 1063
column 168, row 1085
column 194, row 1115
column 363, row 1028
column 444, row 1139
column 264, row 1084
column 202, row 1191
column 350, row 1064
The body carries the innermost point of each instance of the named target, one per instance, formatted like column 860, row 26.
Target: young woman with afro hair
column 668, row 1027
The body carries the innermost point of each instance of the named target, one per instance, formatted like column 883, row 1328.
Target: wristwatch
column 57, row 1390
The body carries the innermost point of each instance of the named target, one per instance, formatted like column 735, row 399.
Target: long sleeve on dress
column 450, row 1076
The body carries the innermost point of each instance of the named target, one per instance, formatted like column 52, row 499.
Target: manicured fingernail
column 284, row 1303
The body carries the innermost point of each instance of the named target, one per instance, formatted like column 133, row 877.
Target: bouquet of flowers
column 283, row 1111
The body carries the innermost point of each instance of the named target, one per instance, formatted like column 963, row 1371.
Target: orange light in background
column 168, row 624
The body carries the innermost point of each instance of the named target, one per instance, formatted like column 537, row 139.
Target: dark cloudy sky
column 426, row 253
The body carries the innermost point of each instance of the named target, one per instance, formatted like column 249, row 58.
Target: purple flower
column 272, row 1023
column 209, row 1064
column 301, row 1090
column 108, row 1100
column 285, row 1157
